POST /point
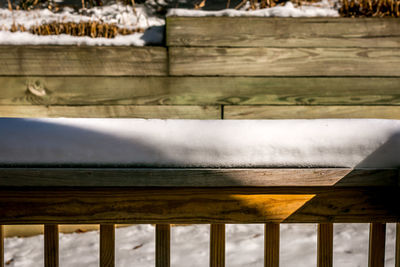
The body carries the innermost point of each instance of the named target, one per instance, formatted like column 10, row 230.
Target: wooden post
column 377, row 235
column 271, row 245
column 163, row 243
column 51, row 245
column 217, row 245
column 325, row 245
column 1, row 246
column 107, row 245
column 397, row 245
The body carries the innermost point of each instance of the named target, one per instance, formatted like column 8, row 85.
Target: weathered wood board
column 199, row 205
column 221, row 61
column 312, row 112
column 185, row 177
column 283, row 32
column 62, row 90
column 83, row 60
column 112, row 111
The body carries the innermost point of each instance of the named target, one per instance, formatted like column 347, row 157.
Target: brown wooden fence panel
column 397, row 264
column 283, row 32
column 325, row 245
column 271, row 244
column 199, row 205
column 203, row 91
column 105, row 111
column 107, row 245
column 217, row 245
column 221, row 61
column 377, row 237
column 312, row 112
column 187, row 177
column 163, row 244
column 1, row 245
column 51, row 244
column 83, row 60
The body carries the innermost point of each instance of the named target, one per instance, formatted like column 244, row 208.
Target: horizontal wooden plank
column 199, row 205
column 112, row 111
column 82, row 60
column 283, row 32
column 311, row 112
column 68, row 90
column 171, row 177
column 261, row 61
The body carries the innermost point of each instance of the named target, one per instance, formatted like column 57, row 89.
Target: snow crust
column 122, row 16
column 197, row 143
column 190, row 244
column 288, row 10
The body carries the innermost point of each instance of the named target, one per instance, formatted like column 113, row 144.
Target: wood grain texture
column 220, row 61
column 104, row 111
column 377, row 236
column 198, row 205
column 163, row 245
column 89, row 91
column 2, row 246
column 217, row 245
column 271, row 245
column 325, row 245
column 82, row 60
column 51, row 245
column 397, row 263
column 282, row 32
column 173, row 177
column 107, row 245
column 311, row 112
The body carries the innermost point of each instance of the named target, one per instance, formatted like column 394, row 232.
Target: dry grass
column 259, row 4
column 349, row 8
column 91, row 29
column 370, row 8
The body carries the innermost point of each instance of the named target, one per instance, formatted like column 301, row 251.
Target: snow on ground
column 141, row 16
column 120, row 15
column 288, row 10
column 190, row 246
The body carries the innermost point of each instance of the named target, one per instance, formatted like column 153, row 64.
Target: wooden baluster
column 51, row 245
column 325, row 245
column 271, row 245
column 397, row 245
column 217, row 245
column 377, row 235
column 163, row 243
column 107, row 245
column 1, row 246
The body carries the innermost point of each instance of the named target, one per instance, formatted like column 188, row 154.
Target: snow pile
column 200, row 143
column 288, row 10
column 141, row 16
column 120, row 15
column 244, row 246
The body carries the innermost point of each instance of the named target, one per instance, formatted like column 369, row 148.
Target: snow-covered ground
column 190, row 246
column 322, row 9
column 120, row 15
column 145, row 17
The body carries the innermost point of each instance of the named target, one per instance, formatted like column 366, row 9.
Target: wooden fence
column 256, row 68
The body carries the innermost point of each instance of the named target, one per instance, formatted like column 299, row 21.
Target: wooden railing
column 314, row 68
column 212, row 196
column 217, row 245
